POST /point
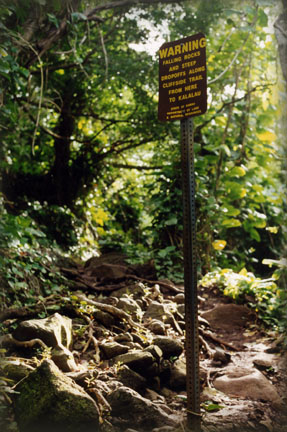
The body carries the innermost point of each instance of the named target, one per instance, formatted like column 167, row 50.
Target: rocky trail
column 109, row 356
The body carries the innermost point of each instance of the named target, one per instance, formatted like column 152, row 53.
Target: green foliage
column 27, row 261
column 263, row 295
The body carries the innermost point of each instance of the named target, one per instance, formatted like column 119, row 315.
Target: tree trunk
column 61, row 171
column 280, row 26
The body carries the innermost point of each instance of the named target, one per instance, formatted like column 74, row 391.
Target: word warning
column 182, row 78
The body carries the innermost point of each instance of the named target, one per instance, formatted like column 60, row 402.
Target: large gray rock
column 138, row 411
column 247, row 384
column 131, row 379
column 158, row 311
column 54, row 331
column 47, row 400
column 137, row 360
column 230, row 315
column 170, row 347
column 157, row 327
column 129, row 305
column 177, row 378
column 113, row 349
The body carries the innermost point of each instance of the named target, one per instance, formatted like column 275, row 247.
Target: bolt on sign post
column 182, row 95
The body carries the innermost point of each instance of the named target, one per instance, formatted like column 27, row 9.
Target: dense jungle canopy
column 91, row 230
column 86, row 164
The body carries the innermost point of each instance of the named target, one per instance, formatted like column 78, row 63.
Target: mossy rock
column 49, row 401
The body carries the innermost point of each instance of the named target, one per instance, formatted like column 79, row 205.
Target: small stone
column 220, row 357
column 64, row 359
column 158, row 311
column 163, row 429
column 138, row 339
column 129, row 305
column 104, row 317
column 181, row 309
column 137, row 290
column 155, row 351
column 113, row 349
column 170, row 347
column 157, row 327
column 123, row 337
column 153, row 395
column 263, row 364
column 179, row 298
column 132, row 345
column 177, row 379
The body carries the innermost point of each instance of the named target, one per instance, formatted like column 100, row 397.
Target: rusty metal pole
column 190, row 277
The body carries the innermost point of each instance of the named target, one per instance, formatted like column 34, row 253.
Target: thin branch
column 26, row 43
column 125, row 3
column 235, row 57
column 138, row 167
column 105, row 54
column 226, row 104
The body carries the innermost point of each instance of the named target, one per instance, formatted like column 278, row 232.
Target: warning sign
column 182, row 78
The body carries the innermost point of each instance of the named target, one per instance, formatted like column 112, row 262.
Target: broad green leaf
column 254, row 234
column 231, row 223
column 211, row 407
column 229, row 210
column 172, row 221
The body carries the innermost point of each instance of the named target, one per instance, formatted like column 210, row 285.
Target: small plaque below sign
column 182, row 78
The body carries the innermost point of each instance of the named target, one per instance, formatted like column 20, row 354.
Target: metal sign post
column 183, row 95
column 190, row 276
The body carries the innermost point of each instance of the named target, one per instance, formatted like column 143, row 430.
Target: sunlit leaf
column 219, row 244
column 267, row 136
column 231, row 223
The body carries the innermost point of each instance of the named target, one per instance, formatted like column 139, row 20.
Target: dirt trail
column 252, row 386
column 243, row 367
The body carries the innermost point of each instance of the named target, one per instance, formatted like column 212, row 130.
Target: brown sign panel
column 182, row 78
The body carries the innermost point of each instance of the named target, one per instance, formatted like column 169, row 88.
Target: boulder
column 127, row 304
column 138, row 411
column 179, row 298
column 123, row 337
column 54, row 331
column 137, row 360
column 162, row 312
column 15, row 369
column 247, row 383
column 104, row 318
column 170, row 347
column 158, row 311
column 177, row 378
column 155, row 351
column 137, row 290
column 157, row 327
column 228, row 315
column 107, row 272
column 113, row 349
column 131, row 379
column 47, row 400
column 64, row 359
